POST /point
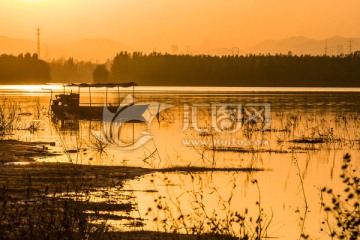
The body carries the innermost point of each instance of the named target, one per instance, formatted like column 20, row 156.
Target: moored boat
column 68, row 105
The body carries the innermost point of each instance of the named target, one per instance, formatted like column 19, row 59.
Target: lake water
column 297, row 136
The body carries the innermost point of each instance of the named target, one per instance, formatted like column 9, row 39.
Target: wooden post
column 90, row 95
column 106, row 96
column 118, row 94
column 133, row 122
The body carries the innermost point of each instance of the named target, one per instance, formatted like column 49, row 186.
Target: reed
column 9, row 115
column 342, row 210
column 170, row 213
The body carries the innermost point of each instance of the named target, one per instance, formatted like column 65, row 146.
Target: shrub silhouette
column 342, row 219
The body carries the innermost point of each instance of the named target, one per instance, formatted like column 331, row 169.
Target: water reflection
column 301, row 151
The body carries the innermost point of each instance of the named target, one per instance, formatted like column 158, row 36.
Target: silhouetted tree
column 120, row 68
column 101, row 74
column 250, row 70
column 69, row 70
column 23, row 69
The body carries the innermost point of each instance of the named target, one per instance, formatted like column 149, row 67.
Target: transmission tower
column 38, row 41
column 350, row 46
column 235, row 51
column 326, row 47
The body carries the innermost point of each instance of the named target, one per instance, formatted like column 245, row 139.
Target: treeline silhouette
column 188, row 70
column 23, row 69
column 251, row 70
column 70, row 70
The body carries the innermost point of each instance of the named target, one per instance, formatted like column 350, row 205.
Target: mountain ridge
column 102, row 49
column 301, row 45
column 92, row 49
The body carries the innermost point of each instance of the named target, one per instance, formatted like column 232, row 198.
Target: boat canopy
column 95, row 85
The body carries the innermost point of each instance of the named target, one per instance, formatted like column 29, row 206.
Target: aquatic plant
column 56, row 201
column 97, row 144
column 9, row 115
column 170, row 213
column 342, row 210
column 42, row 215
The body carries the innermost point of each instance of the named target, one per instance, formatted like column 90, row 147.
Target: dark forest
column 247, row 71
column 23, row 69
column 158, row 69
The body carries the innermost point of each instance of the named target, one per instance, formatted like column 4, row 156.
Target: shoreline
column 24, row 181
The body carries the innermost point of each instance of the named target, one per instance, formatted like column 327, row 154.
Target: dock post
column 118, row 95
column 106, row 97
column 133, row 126
column 90, row 95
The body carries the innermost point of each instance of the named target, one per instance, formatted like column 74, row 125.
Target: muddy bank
column 19, row 170
column 17, row 178
column 38, row 200
column 163, row 236
column 37, row 194
column 18, row 151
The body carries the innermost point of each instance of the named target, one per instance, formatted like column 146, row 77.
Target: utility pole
column 38, row 42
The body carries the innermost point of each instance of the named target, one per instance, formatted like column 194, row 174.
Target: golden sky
column 200, row 24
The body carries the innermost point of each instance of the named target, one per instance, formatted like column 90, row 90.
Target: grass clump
column 45, row 216
column 9, row 115
column 188, row 212
column 342, row 210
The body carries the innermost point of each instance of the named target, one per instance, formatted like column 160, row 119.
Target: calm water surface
column 297, row 136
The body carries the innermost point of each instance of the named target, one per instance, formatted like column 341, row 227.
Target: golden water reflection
column 301, row 152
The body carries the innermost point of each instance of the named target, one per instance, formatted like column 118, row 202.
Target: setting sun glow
column 34, row 1
column 201, row 25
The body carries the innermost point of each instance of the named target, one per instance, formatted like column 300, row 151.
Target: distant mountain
column 16, row 46
column 100, row 49
column 87, row 49
column 297, row 45
column 224, row 52
column 302, row 45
